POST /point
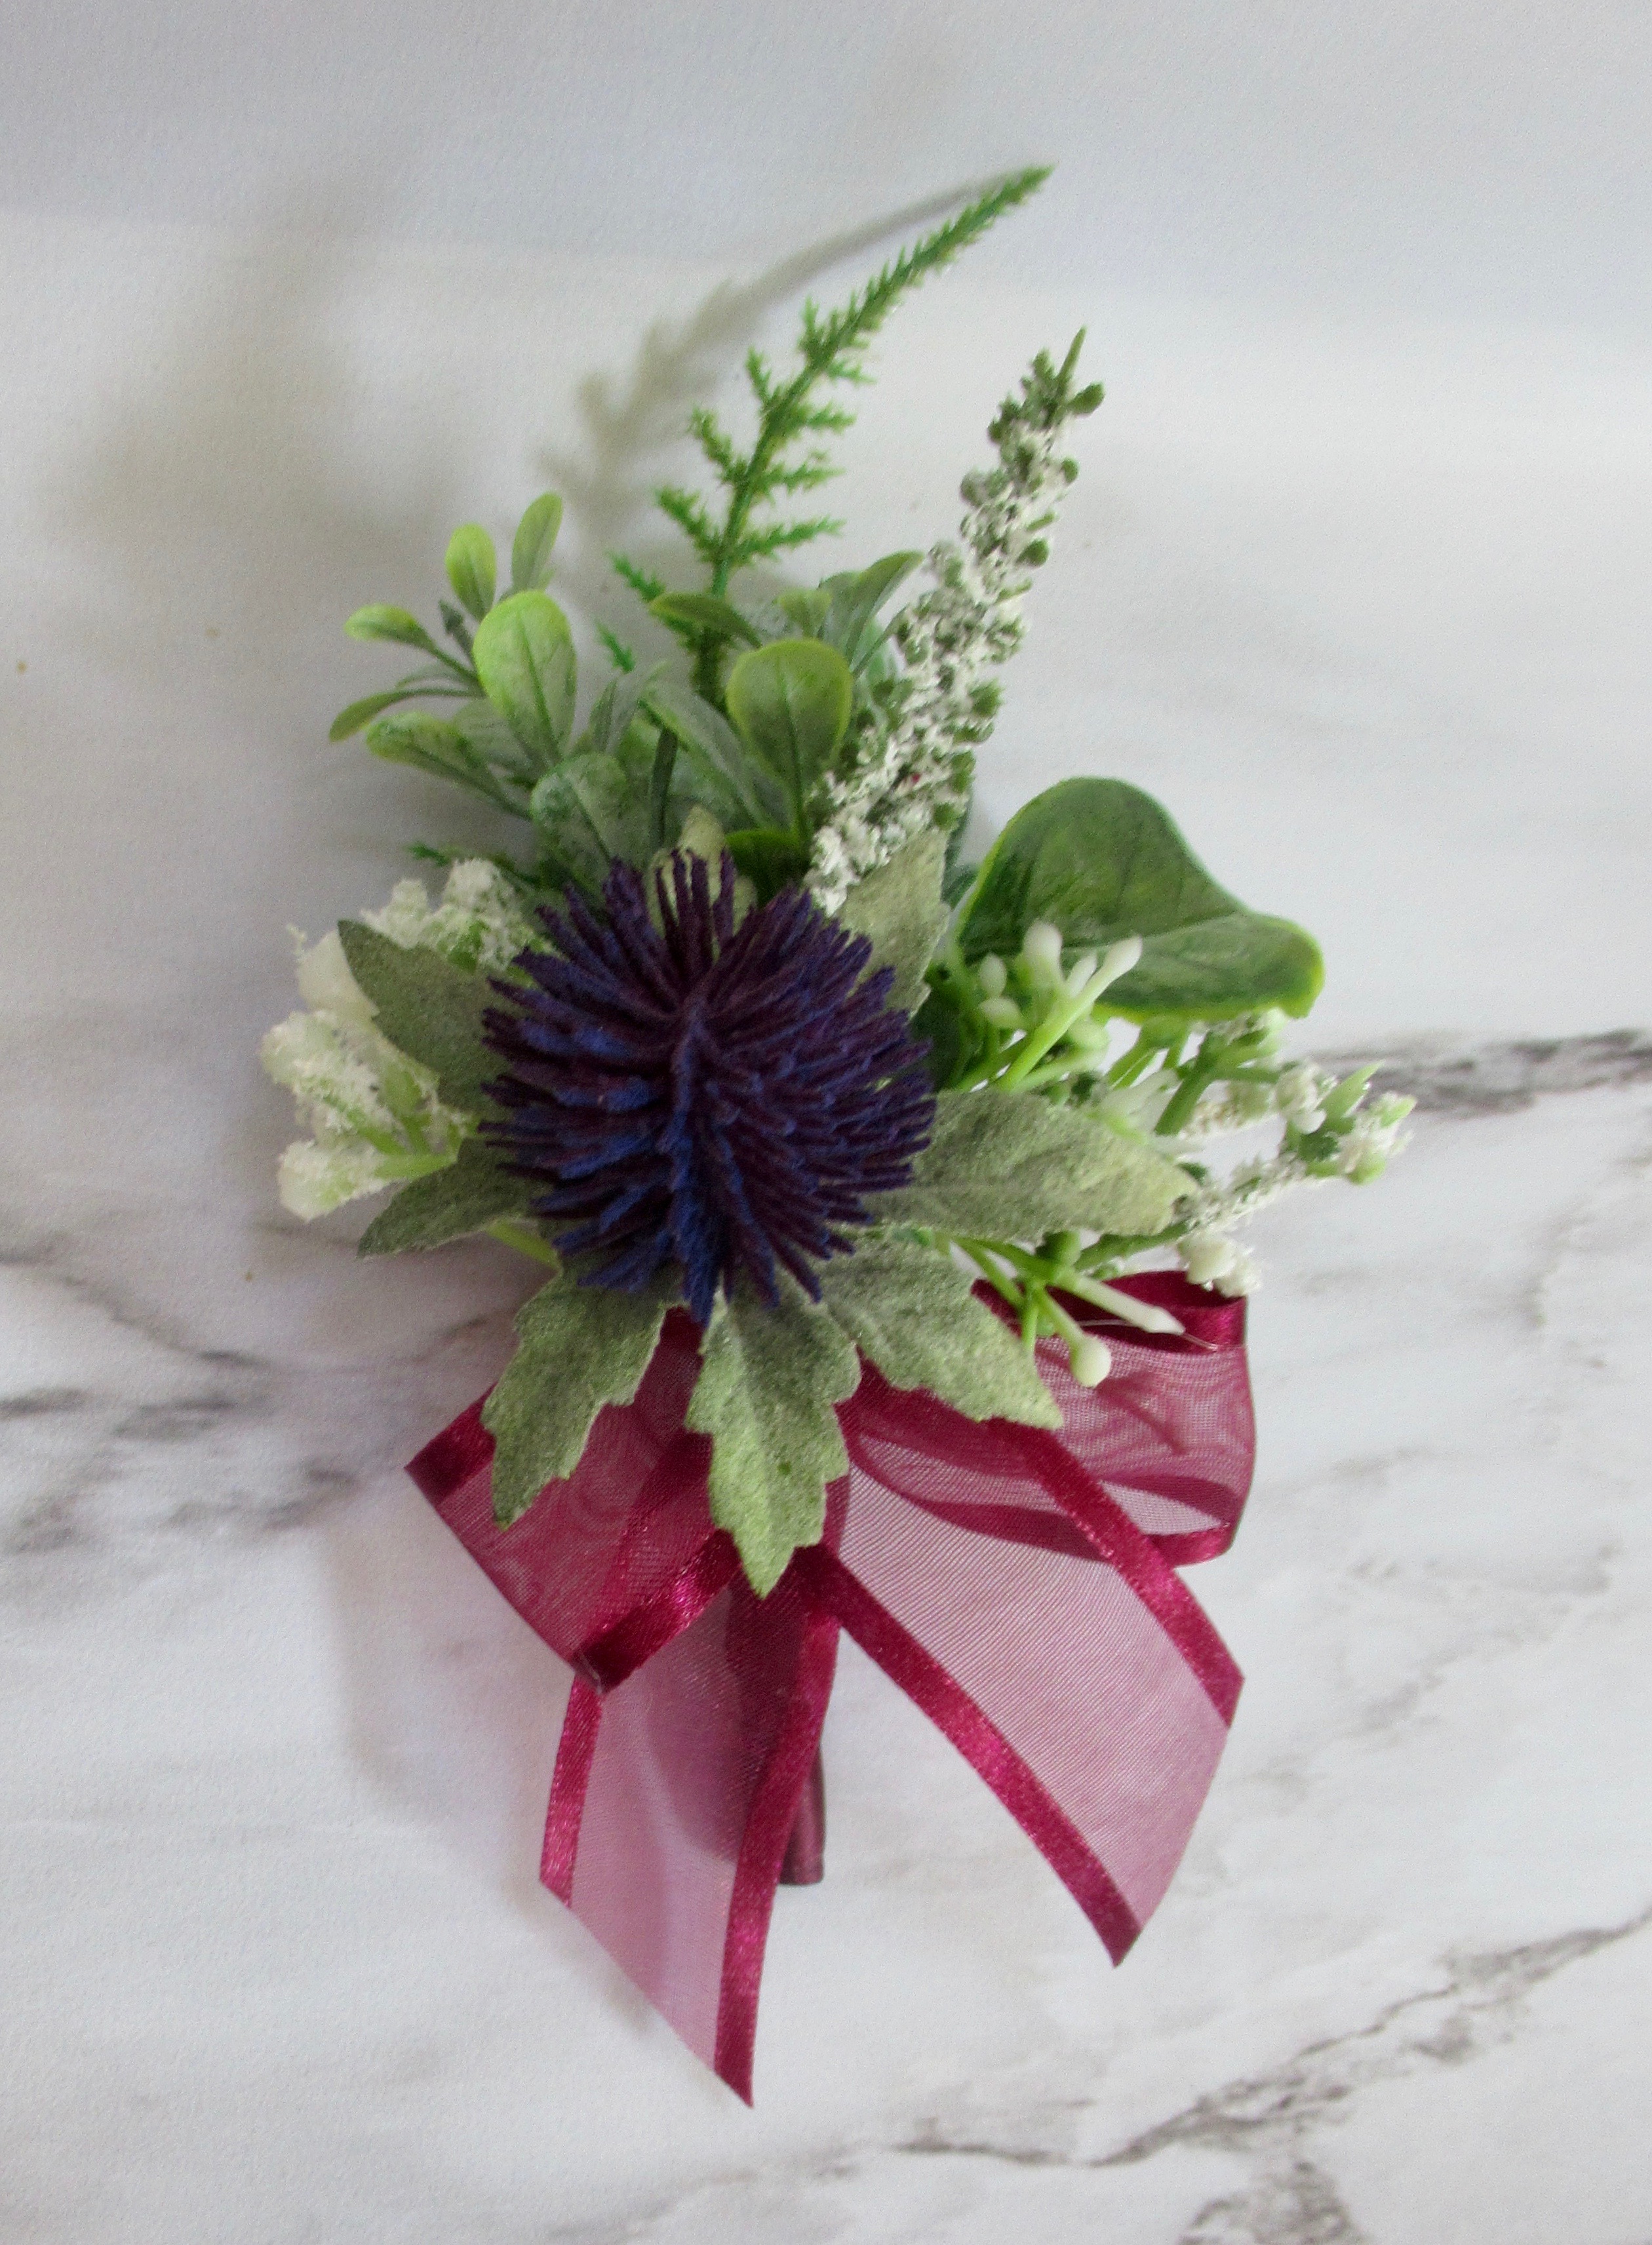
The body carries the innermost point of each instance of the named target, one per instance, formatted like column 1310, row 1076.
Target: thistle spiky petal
column 691, row 1090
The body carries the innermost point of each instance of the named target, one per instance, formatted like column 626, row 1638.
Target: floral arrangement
column 836, row 1146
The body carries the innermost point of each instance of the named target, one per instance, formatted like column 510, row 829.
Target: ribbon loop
column 1020, row 1585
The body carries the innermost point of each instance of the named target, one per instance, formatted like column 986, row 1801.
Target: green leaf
column 473, row 1192
column 915, row 1314
column 899, row 907
column 790, row 702
column 532, row 547
column 736, row 791
column 1102, row 861
column 1009, row 1165
column 594, row 812
column 612, row 713
column 856, row 598
column 578, row 1347
column 471, row 569
column 765, row 1396
column 524, row 659
column 705, row 613
column 806, row 610
column 431, row 744
column 351, row 718
column 432, row 1011
column 381, row 622
column 771, row 858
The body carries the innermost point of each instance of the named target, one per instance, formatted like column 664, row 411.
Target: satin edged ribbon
column 1020, row 1585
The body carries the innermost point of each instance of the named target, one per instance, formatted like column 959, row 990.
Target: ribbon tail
column 1073, row 1672
column 673, row 1798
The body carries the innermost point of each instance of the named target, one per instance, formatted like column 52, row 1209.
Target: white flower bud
column 1090, row 1359
column 1042, row 948
column 1119, row 958
column 1208, row 1257
column 1080, row 972
column 1003, row 1013
column 326, row 983
column 1241, row 1277
column 992, row 974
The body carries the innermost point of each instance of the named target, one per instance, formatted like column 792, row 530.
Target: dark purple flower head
column 724, row 1097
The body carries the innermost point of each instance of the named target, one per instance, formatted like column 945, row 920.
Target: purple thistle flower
column 727, row 1096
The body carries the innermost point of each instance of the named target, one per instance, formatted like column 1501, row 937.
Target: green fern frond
column 619, row 654
column 643, row 582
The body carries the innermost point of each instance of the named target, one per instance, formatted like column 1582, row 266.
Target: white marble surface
column 1368, row 607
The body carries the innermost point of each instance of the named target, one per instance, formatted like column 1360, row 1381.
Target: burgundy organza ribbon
column 1019, row 1585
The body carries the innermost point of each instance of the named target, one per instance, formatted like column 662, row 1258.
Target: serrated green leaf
column 1009, row 1165
column 472, row 1193
column 1102, row 861
column 379, row 621
column 578, row 1347
column 471, row 568
column 915, row 1314
column 525, row 658
column 705, row 613
column 430, row 1010
column 790, row 702
column 765, row 1396
column 899, row 907
column 737, row 792
column 531, row 549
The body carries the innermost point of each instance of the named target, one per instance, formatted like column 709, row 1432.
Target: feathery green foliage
column 790, row 414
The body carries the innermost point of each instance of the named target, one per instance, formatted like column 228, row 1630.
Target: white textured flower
column 479, row 924
column 374, row 1115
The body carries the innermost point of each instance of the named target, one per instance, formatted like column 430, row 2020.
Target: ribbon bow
column 1019, row 1585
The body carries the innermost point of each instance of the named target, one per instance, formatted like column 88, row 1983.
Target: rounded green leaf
column 379, row 621
column 790, row 703
column 1101, row 861
column 705, row 613
column 532, row 547
column 524, row 656
column 471, row 569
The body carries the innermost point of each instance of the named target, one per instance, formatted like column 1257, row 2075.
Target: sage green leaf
column 472, row 1193
column 705, row 614
column 790, row 703
column 430, row 1010
column 915, row 1314
column 856, row 598
column 577, row 1348
column 1009, row 1165
column 899, row 907
column 379, row 621
column 532, row 547
column 765, row 1396
column 523, row 656
column 737, row 792
column 471, row 569
column 1102, row 861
